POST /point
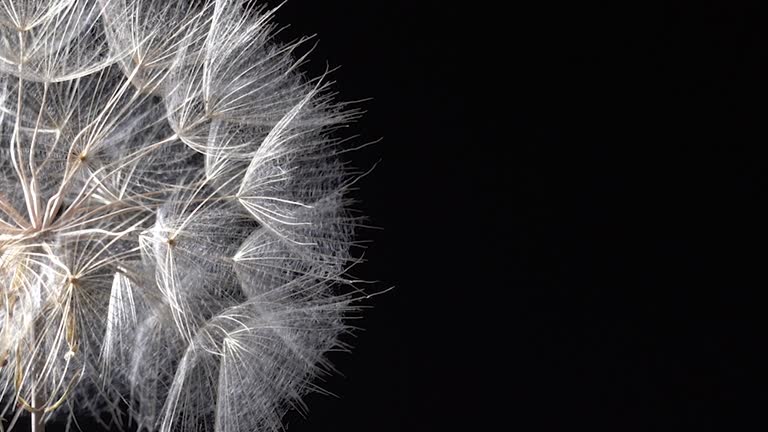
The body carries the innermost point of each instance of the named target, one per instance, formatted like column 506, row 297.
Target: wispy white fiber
column 174, row 219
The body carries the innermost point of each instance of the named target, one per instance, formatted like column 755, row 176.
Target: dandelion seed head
column 174, row 220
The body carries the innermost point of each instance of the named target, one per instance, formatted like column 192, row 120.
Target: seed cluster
column 174, row 220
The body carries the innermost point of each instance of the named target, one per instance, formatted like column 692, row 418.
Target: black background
column 642, row 187
column 571, row 201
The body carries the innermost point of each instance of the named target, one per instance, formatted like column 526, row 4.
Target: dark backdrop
column 641, row 181
column 572, row 195
column 571, row 200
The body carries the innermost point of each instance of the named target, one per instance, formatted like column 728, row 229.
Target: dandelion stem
column 37, row 423
column 37, row 414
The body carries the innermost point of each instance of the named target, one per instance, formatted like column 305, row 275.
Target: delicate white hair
column 174, row 215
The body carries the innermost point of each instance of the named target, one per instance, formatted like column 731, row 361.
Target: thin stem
column 38, row 403
column 38, row 425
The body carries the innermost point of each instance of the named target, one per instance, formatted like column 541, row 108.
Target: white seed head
column 174, row 221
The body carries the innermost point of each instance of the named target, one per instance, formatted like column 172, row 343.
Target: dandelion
column 174, row 217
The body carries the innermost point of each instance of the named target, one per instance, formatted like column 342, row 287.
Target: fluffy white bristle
column 173, row 215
